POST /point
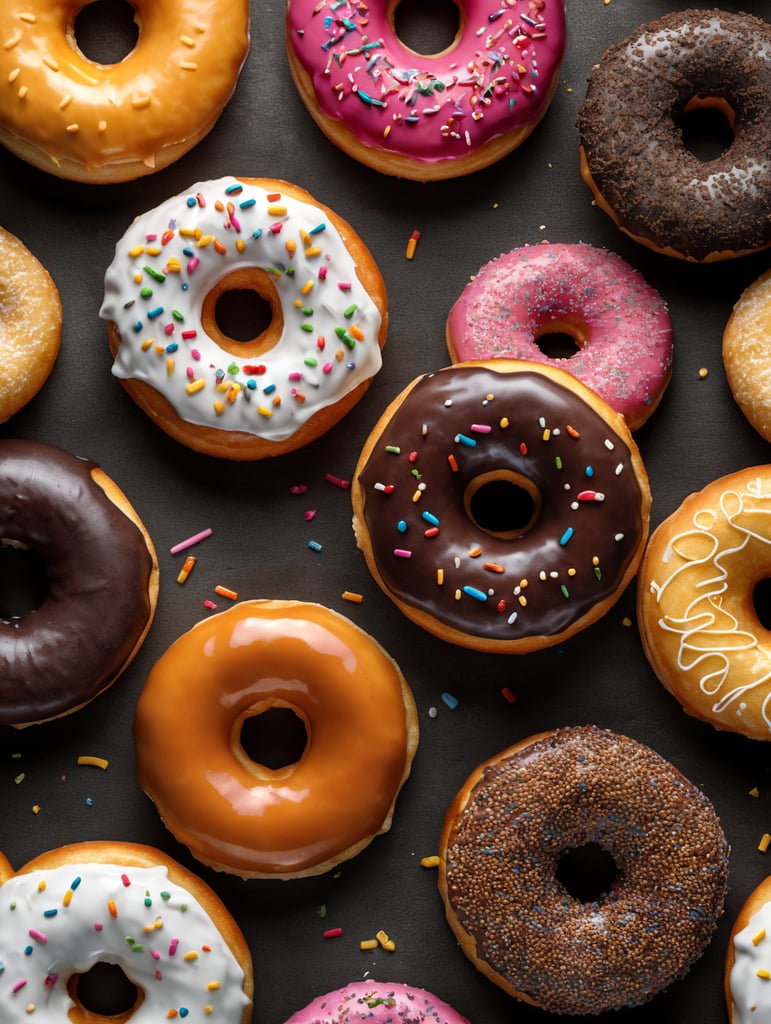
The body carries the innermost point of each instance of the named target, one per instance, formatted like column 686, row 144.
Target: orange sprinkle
column 493, row 567
column 348, row 595
column 412, row 244
column 112, row 908
column 226, row 592
column 572, row 431
column 453, row 463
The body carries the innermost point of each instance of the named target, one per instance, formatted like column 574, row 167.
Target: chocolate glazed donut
column 632, row 152
column 100, row 582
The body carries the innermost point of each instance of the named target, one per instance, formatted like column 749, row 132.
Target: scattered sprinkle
column 412, row 244
column 431, row 861
column 226, row 592
column 97, row 762
column 765, row 840
column 452, row 702
column 333, row 933
column 186, row 569
column 195, row 539
column 349, row 595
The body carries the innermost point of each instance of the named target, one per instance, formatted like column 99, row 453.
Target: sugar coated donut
column 550, row 934
column 96, row 123
column 377, row 1002
column 299, row 819
column 634, row 159
column 698, row 623
column 620, row 324
column 426, row 117
column 747, row 994
column 745, row 354
column 30, row 324
column 122, row 904
column 81, row 627
column 502, row 506
column 291, row 381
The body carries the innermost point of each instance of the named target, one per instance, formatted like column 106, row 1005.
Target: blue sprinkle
column 589, row 471
column 450, row 701
column 566, row 536
column 401, row 526
column 478, row 595
column 430, row 518
column 314, row 545
column 469, row 442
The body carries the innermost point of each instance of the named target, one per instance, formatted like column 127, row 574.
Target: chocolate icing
column 561, row 791
column 629, row 131
column 67, row 650
column 557, row 465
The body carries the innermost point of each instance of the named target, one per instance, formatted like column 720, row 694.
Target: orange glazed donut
column 237, row 815
column 745, row 354
column 698, row 622
column 30, row 324
column 97, row 123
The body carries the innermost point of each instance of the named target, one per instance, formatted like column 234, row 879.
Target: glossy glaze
column 236, row 813
column 377, row 1002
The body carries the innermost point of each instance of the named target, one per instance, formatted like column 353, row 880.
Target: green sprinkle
column 350, row 311
column 565, row 591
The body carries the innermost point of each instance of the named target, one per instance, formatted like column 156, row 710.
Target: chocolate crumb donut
column 633, row 156
column 507, row 840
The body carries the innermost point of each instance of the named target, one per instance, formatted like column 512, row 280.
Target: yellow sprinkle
column 368, row 944
column 42, row 885
column 207, row 1010
column 136, row 250
column 703, row 372
column 763, row 973
column 307, row 287
column 205, row 240
column 314, row 250
column 430, row 862
column 626, row 621
column 381, row 937
column 475, row 553
column 50, row 63
column 458, row 594
column 348, row 595
column 169, row 365
column 213, row 986
column 219, row 407
column 96, row 762
column 755, row 792
column 194, row 386
column 64, row 102
column 417, row 496
column 187, row 41
column 522, row 600
column 276, row 210
column 67, row 898
column 440, row 577
column 546, row 434
column 141, row 102
column 30, row 1007
column 226, row 592
column 186, row 569
column 101, row 127
column 764, row 842
column 264, row 411
column 29, row 18
column 36, row 808
column 412, row 245
column 188, row 65
column 12, row 41
column 192, row 955
column 504, row 422
column 758, row 937
column 153, row 250
column 13, row 75
column 23, row 92
column 291, row 247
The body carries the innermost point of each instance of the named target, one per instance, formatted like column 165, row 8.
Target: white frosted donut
column 278, row 390
column 59, row 921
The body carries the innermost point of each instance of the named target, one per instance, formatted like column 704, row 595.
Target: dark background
column 260, row 542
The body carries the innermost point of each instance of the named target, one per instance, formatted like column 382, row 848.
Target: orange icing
column 231, row 811
column 72, row 115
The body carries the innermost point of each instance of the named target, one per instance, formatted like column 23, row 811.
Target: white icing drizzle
column 750, row 990
column 169, row 260
column 710, row 636
column 61, row 922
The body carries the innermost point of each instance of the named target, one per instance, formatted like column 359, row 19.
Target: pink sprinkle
column 189, row 335
column 19, row 985
column 295, row 375
column 195, row 354
column 191, row 540
column 210, row 605
column 402, row 553
column 481, row 428
column 333, row 933
column 276, row 228
column 173, row 946
column 344, row 286
column 190, row 372
column 322, row 273
column 235, row 223
column 310, row 515
column 192, row 265
column 51, row 979
column 168, row 330
column 343, row 484
column 37, row 936
column 152, row 237
column 125, row 880
column 327, row 368
column 98, row 926
column 298, row 489
column 155, row 954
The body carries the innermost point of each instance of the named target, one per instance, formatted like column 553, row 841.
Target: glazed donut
column 502, row 506
column 100, row 584
column 633, row 157
column 619, row 323
column 246, row 818
column 746, row 966
column 697, row 618
column 289, row 383
column 426, row 117
column 556, row 942
column 377, row 1002
column 123, row 904
column 745, row 354
column 30, row 324
column 97, row 123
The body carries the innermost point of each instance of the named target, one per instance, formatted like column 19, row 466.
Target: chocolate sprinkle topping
column 564, row 790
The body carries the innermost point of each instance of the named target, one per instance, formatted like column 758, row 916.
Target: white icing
column 39, row 949
column 155, row 289
column 751, row 992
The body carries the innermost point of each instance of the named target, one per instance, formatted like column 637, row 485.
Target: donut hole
column 561, row 338
column 502, row 503
column 106, row 31
column 761, row 599
column 23, row 580
column 105, row 991
column 275, row 737
column 588, row 872
column 707, row 127
column 242, row 313
column 427, row 27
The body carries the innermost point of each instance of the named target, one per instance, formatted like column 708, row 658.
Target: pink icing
column 495, row 79
column 620, row 323
column 377, row 1003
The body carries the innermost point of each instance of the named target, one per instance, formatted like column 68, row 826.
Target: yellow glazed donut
column 92, row 122
column 237, row 815
column 745, row 354
column 30, row 324
column 698, row 622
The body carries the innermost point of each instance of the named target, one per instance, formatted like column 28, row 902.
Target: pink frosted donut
column 620, row 324
column 426, row 117
column 377, row 1003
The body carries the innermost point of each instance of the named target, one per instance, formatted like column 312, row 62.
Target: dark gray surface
column 260, row 542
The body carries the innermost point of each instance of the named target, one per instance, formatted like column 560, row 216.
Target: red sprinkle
column 333, row 933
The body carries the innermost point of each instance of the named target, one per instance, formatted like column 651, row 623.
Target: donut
column 747, row 955
column 30, row 324
column 572, row 939
column 632, row 153
column 745, row 354
column 619, row 323
column 426, row 117
column 283, row 386
column 92, row 582
column 88, row 905
column 501, row 505
column 97, row 123
column 377, row 1002
column 699, row 625
column 248, row 818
